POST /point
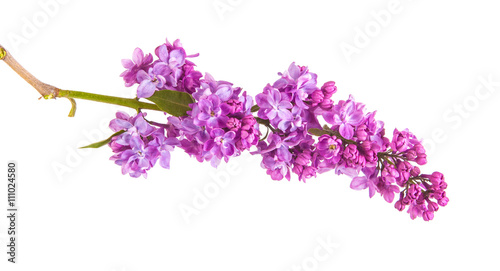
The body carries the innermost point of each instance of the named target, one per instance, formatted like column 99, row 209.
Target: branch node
column 3, row 53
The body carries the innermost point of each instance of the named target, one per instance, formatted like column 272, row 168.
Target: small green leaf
column 73, row 108
column 255, row 108
column 318, row 132
column 389, row 161
column 103, row 142
column 326, row 128
column 175, row 103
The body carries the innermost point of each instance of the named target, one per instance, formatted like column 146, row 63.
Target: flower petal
column 165, row 159
column 359, row 183
column 127, row 63
column 346, row 131
column 138, row 56
column 146, row 89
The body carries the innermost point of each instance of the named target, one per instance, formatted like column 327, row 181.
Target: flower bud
column 432, row 206
column 404, row 169
column 421, row 199
column 248, row 121
column 410, row 155
column 413, row 192
column 415, row 171
column 427, row 215
column 233, row 124
column 234, row 105
column 399, row 205
column 443, row 201
column 317, row 96
column 419, row 149
column 303, row 158
column 366, row 145
column 297, row 169
column 329, row 89
column 326, row 104
column 400, row 140
column 361, row 133
column 436, row 178
column 421, row 160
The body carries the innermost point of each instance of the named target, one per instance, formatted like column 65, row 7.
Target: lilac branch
column 50, row 92
column 42, row 88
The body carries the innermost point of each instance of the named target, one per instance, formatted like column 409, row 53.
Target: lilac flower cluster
column 141, row 145
column 220, row 125
column 353, row 142
column 171, row 70
column 284, row 110
column 394, row 171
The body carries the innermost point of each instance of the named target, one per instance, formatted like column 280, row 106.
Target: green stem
column 50, row 92
column 132, row 103
column 266, row 123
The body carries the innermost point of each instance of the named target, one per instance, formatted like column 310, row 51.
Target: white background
column 417, row 70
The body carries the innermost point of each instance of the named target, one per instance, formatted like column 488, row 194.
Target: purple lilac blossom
column 220, row 125
column 355, row 142
column 346, row 115
column 139, row 62
column 171, row 70
column 140, row 146
column 273, row 105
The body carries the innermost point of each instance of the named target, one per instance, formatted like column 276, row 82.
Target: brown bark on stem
column 46, row 90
